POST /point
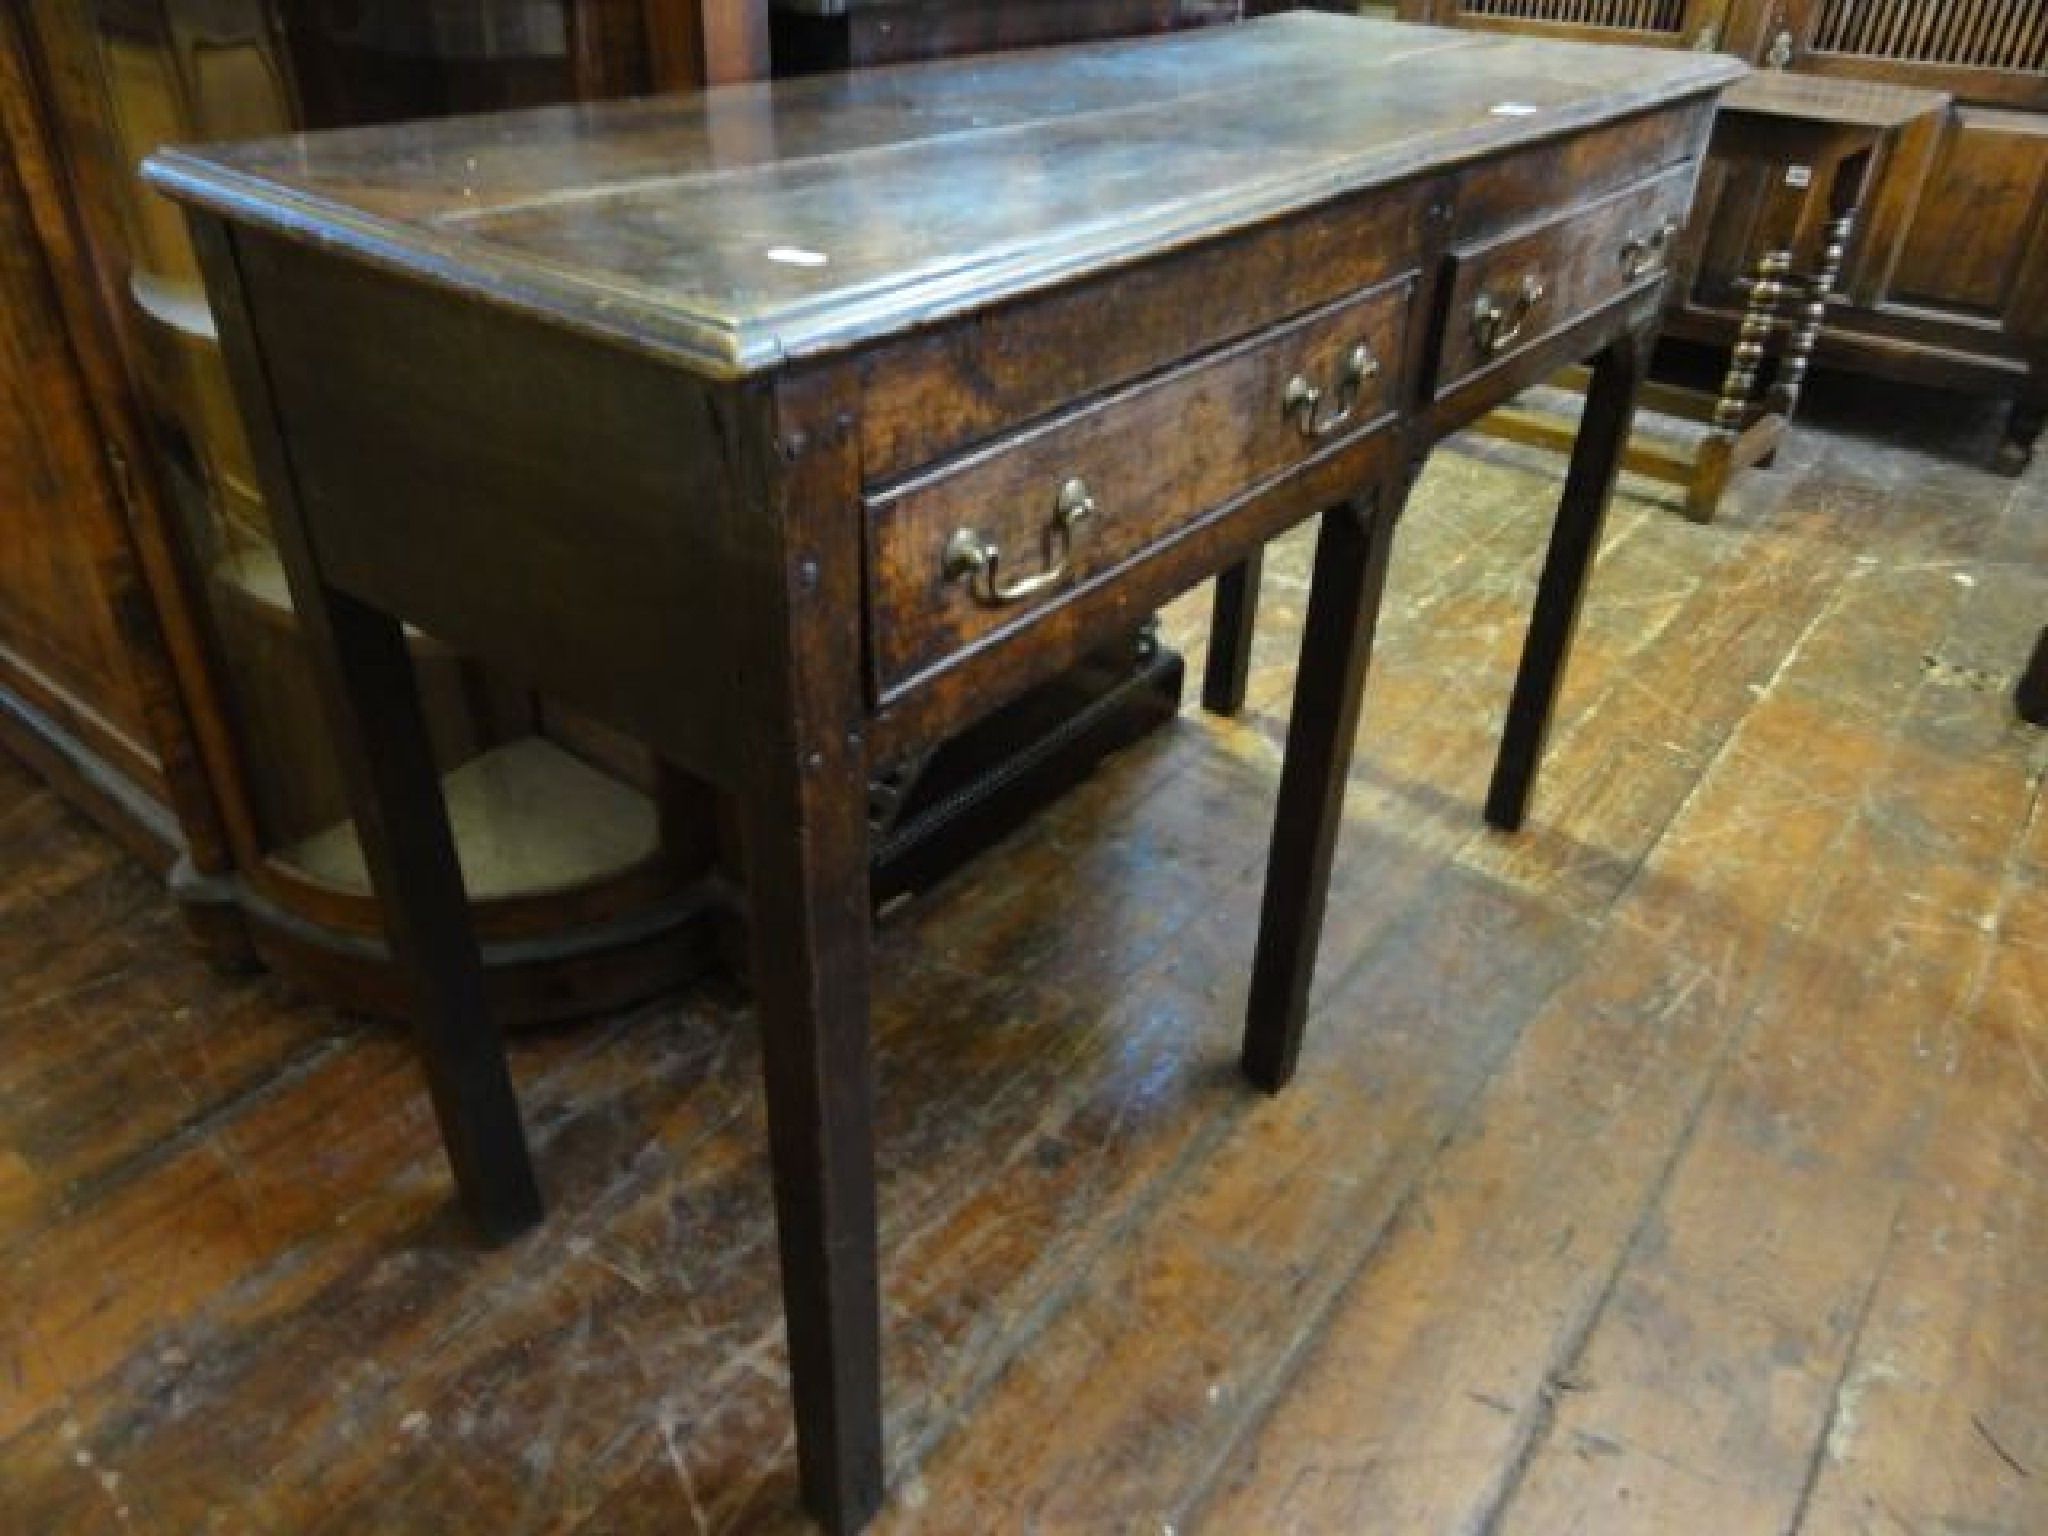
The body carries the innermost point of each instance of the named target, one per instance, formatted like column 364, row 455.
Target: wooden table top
column 1870, row 104
column 743, row 227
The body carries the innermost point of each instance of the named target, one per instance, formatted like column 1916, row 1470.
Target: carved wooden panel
column 1971, row 237
column 1968, row 34
column 1667, row 16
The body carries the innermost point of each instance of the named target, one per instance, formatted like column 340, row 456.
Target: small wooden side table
column 1821, row 140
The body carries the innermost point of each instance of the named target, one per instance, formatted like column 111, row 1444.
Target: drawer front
column 1511, row 192
column 1509, row 293
column 935, row 394
column 993, row 542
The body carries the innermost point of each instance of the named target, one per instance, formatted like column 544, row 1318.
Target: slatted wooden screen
column 1665, row 16
column 1966, row 34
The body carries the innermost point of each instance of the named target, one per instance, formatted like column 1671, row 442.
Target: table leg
column 1336, row 649
column 1581, row 513
column 2023, row 430
column 1738, row 388
column 365, row 673
column 1232, row 622
column 2030, row 407
column 2030, row 696
column 805, row 849
column 362, row 671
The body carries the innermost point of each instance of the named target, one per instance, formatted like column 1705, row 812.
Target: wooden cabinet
column 151, row 660
column 61, row 650
column 1944, row 283
column 86, row 689
column 1946, row 279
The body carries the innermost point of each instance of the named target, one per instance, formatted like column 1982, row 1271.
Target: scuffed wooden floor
column 1677, row 1166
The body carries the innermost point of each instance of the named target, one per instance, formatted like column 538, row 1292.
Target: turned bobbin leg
column 1811, row 316
column 1738, row 389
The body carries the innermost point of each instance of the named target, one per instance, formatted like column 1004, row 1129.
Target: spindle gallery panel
column 1622, row 15
column 1657, row 23
column 2006, row 35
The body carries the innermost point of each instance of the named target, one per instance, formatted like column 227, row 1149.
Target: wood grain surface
column 743, row 227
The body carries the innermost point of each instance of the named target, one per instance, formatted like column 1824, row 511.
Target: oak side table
column 794, row 425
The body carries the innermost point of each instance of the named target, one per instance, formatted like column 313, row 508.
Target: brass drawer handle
column 976, row 561
column 1642, row 255
column 1497, row 326
column 1302, row 399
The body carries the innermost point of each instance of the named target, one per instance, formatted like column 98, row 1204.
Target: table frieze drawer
column 1002, row 537
column 943, row 391
column 1509, row 293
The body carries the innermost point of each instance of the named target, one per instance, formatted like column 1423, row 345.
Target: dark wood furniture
column 1946, row 284
column 1820, row 141
column 792, row 428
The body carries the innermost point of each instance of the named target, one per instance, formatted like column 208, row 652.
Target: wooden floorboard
column 1676, row 1165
